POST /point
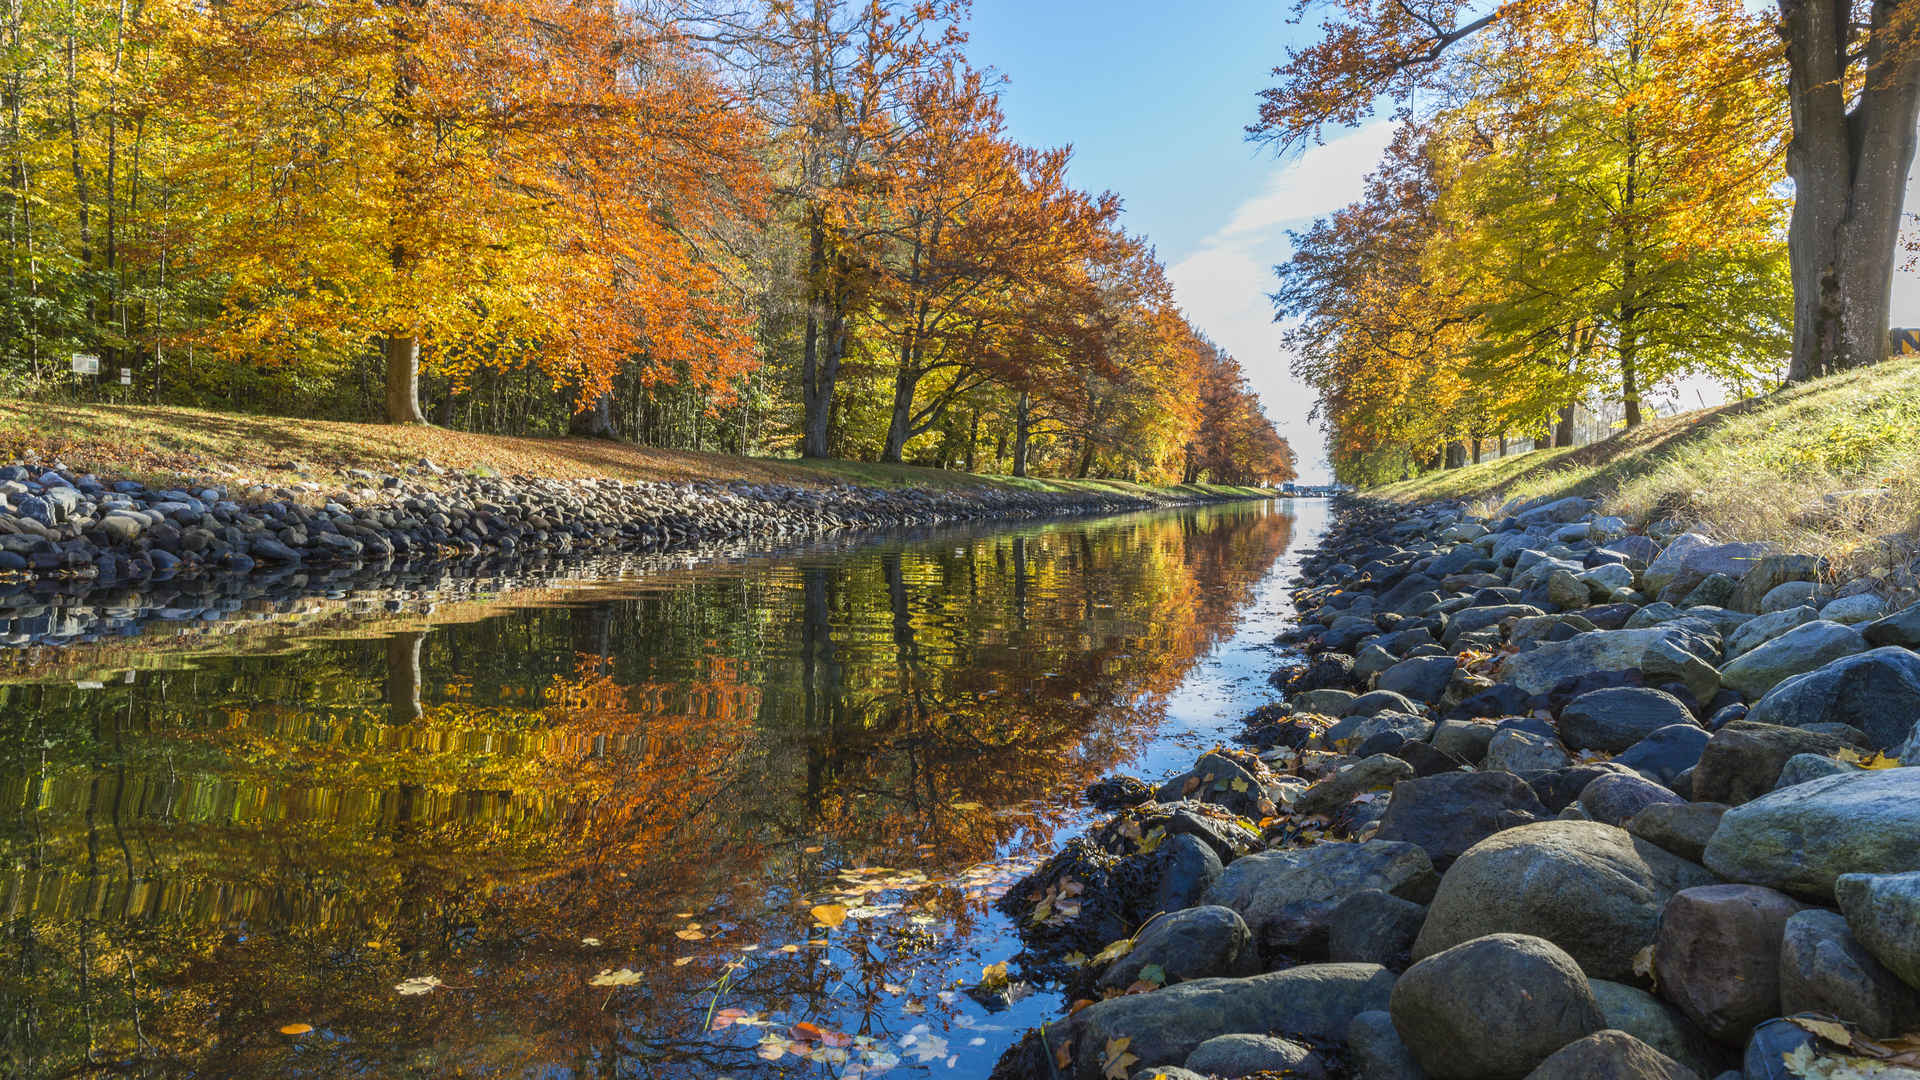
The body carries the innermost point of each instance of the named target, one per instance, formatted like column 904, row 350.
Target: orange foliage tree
column 503, row 183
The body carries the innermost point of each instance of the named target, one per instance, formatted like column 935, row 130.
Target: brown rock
column 1717, row 955
column 1610, row 1055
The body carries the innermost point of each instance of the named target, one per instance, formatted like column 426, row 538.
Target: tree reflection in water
column 666, row 779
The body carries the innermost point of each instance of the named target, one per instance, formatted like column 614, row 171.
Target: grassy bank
column 164, row 445
column 1826, row 467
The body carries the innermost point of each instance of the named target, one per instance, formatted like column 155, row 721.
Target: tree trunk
column 1563, row 431
column 1022, row 432
column 1849, row 169
column 595, row 421
column 825, row 344
column 900, row 421
column 403, row 676
column 403, row 380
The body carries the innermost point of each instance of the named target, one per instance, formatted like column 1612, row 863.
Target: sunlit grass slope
column 165, row 444
column 1826, row 467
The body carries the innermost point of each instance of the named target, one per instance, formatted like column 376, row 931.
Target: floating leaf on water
column 683, row 961
column 807, row 1031
column 789, row 948
column 689, row 935
column 814, row 850
column 829, row 915
column 419, row 984
column 623, row 977
column 994, row 976
column 296, row 1029
column 590, row 942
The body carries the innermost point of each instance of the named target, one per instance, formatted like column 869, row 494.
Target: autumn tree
column 1852, row 79
column 488, row 180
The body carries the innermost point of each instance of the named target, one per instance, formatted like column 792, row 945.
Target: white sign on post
column 126, row 376
column 86, row 364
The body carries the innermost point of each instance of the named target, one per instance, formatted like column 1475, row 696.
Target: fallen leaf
column 994, row 976
column 419, row 984
column 830, row 915
column 1835, row 1033
column 689, row 935
column 1117, row 1061
column 623, row 977
column 1155, row 974
column 296, row 1029
column 1114, row 951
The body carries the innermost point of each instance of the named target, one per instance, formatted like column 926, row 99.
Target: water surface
column 692, row 819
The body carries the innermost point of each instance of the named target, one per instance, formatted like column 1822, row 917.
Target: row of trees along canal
column 1587, row 199
column 752, row 227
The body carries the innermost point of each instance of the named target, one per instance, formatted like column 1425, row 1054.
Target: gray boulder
column 1197, row 943
column 1610, row 1055
column 1825, row 969
column 1166, row 1026
column 1595, row 890
column 1464, row 739
column 1288, row 897
column 1801, row 649
column 1883, row 911
column 1803, row 838
column 1657, row 1024
column 1801, row 768
column 1381, row 771
column 1379, row 701
column 1351, row 731
column 1377, row 1051
column 1325, row 701
column 1554, row 662
column 1474, row 619
column 1243, row 1055
column 1681, row 828
column 1672, row 559
column 1900, row 628
column 1758, row 631
column 1493, row 1008
column 1518, row 751
column 1771, row 572
column 1617, row 717
column 1876, row 691
column 1423, row 679
column 1184, row 867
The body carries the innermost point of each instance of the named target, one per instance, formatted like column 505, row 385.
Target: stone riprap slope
column 1548, row 797
column 55, row 522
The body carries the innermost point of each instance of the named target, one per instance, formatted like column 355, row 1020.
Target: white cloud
column 1224, row 285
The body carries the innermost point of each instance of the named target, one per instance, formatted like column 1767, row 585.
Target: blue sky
column 1154, row 98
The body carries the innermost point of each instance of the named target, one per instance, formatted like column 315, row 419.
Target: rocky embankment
column 1551, row 798
column 59, row 523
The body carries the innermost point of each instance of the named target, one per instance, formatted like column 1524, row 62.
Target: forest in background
column 761, row 227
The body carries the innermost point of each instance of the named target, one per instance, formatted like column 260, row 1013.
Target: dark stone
column 1426, row 759
column 1118, row 793
column 1561, row 788
column 1682, row 828
column 1198, row 943
column 1377, row 1051
column 1901, row 628
column 1877, row 692
column 1423, row 680
column 1613, row 720
column 1230, row 1056
column 1615, row 799
column 1742, row 761
column 1501, row 699
column 1666, row 754
column 1824, row 969
column 1449, row 813
column 1374, row 927
column 1185, row 868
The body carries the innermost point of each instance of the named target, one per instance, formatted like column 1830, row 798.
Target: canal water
column 731, row 818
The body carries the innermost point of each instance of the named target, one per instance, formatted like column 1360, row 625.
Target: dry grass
column 1831, row 467
column 168, row 445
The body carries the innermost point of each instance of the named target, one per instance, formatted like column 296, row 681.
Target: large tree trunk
column 900, row 420
column 1022, row 432
column 403, row 676
column 1563, row 430
column 1849, row 170
column 403, row 380
column 825, row 345
column 596, row 420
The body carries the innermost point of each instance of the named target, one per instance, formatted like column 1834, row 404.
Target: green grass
column 1826, row 467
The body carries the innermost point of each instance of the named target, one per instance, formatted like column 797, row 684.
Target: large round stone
column 1883, row 911
column 1448, row 813
column 1592, row 889
column 1287, row 897
column 1610, row 1055
column 1801, row 649
column 1493, row 1008
column 1824, row 969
